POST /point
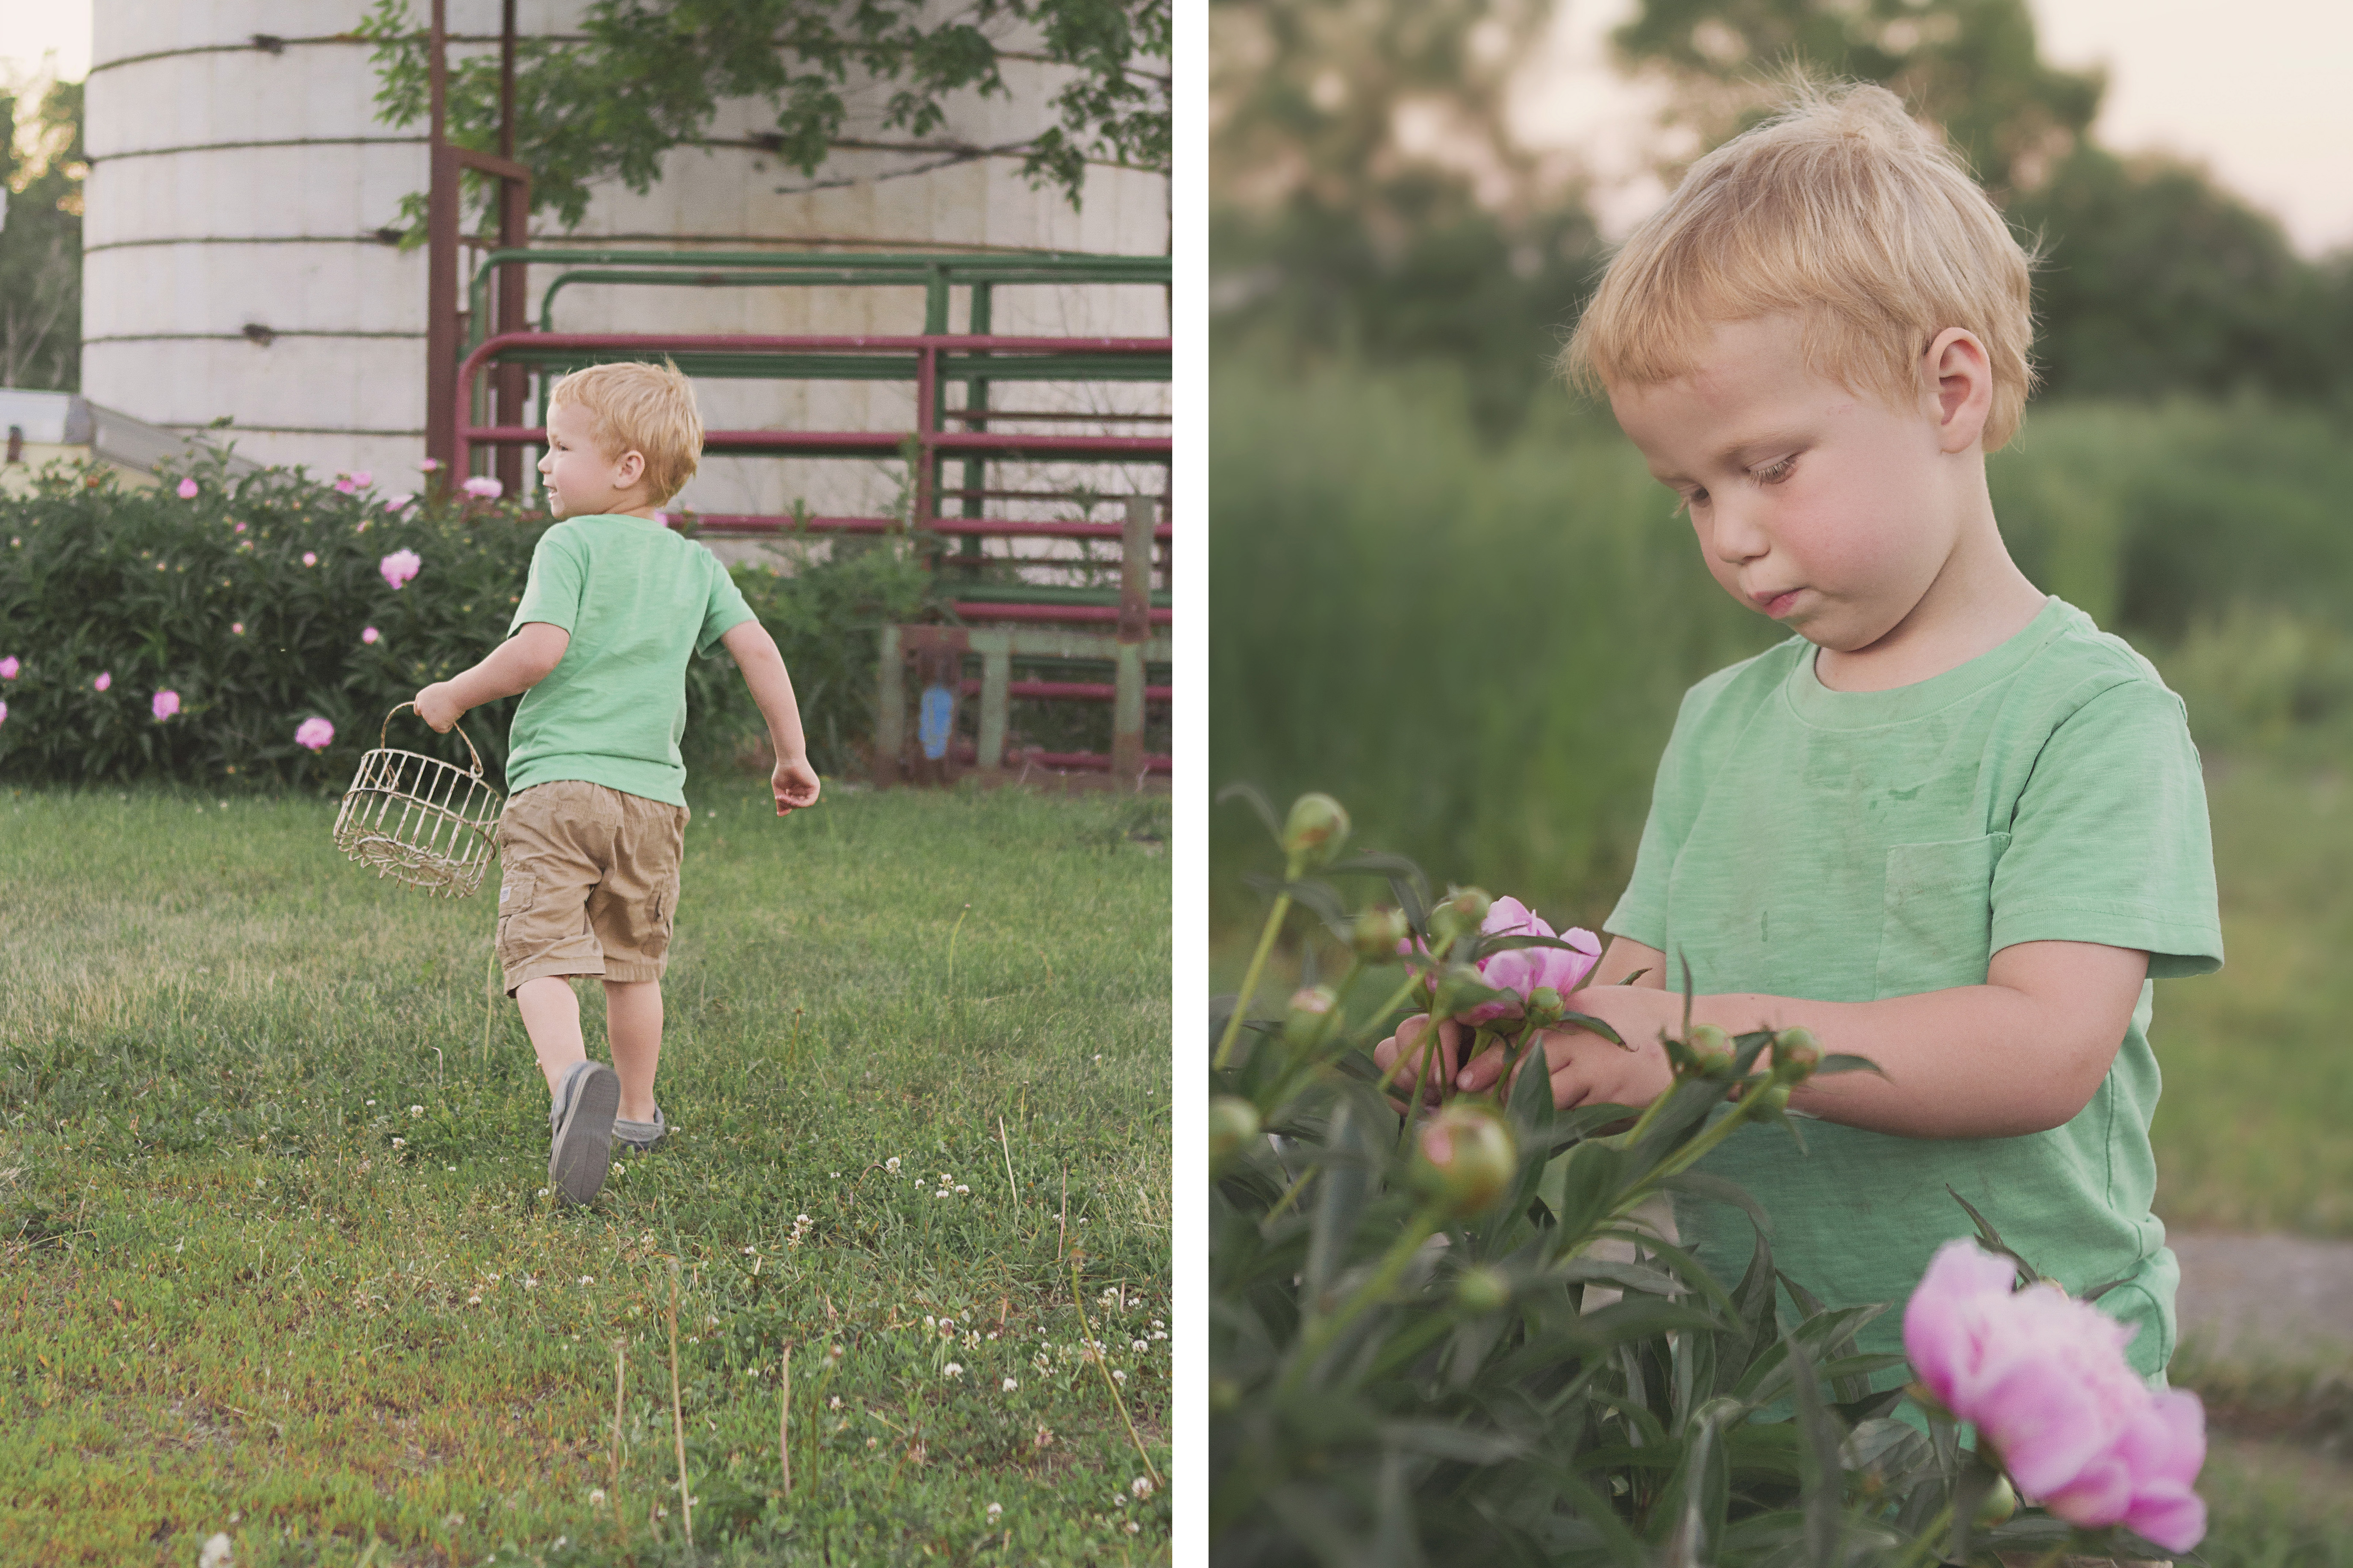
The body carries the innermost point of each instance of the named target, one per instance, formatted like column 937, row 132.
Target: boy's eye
column 1696, row 498
column 1774, row 473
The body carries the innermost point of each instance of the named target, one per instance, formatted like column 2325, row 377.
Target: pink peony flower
column 309, row 558
column 370, row 635
column 316, row 733
column 430, row 464
column 238, row 527
column 2044, row 1378
column 187, row 489
column 1523, row 970
column 238, row 627
column 167, row 703
column 4, row 712
column 394, row 503
column 105, row 678
column 483, row 487
column 346, row 484
column 399, row 566
column 9, row 667
column 362, row 478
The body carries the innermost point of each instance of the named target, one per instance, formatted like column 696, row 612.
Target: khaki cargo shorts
column 590, row 883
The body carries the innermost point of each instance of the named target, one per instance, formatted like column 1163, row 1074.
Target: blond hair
column 643, row 408
column 1842, row 211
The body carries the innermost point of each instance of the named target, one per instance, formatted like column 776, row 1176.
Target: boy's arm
column 793, row 781
column 518, row 664
column 2022, row 1053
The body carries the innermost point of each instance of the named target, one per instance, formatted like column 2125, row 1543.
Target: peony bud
column 1795, row 1054
column 1460, row 913
column 1712, row 1047
column 1544, row 1008
column 1467, row 1157
column 1484, row 1289
column 1233, row 1124
column 1309, row 1005
column 1378, row 933
column 1775, row 1097
column 1313, row 834
column 1999, row 1503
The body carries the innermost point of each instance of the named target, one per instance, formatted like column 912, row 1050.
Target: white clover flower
column 371, row 1103
column 1140, row 1486
column 963, row 1191
column 474, row 1301
column 403, row 1143
column 1117, row 1375
column 891, row 1164
column 941, row 1194
column 1011, row 1384
column 948, row 1323
column 597, row 1497
column 529, row 1283
column 930, row 1321
column 587, row 1279
column 801, row 1219
column 1133, row 1528
column 416, row 1111
column 953, row 1369
column 1140, row 1346
column 994, row 1509
column 834, row 1404
column 749, row 1251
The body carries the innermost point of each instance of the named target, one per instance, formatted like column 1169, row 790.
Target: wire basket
column 420, row 820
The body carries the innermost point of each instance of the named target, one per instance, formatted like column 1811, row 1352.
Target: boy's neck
column 1977, row 602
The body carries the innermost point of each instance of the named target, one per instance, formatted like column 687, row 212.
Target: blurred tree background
column 1447, row 591
column 41, row 170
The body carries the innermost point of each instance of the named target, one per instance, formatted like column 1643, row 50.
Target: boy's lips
column 1775, row 602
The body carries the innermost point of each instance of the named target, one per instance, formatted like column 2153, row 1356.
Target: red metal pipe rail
column 1068, row 690
column 758, row 522
column 931, row 443
column 1074, row 614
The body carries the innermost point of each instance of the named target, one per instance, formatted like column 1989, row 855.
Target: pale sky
column 2259, row 96
column 2256, row 91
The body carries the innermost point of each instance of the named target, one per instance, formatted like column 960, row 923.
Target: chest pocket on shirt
column 1935, row 920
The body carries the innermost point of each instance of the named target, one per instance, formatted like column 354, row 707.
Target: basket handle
column 397, row 707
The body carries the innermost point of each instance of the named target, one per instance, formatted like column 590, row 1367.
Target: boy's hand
column 1408, row 1042
column 794, row 783
column 1588, row 1069
column 438, row 707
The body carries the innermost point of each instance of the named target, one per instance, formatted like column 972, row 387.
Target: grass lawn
column 275, row 1258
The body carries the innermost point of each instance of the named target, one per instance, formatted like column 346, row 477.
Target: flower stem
column 1927, row 1539
column 1319, row 1333
column 1250, row 981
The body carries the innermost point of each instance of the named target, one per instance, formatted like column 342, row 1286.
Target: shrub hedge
column 252, row 600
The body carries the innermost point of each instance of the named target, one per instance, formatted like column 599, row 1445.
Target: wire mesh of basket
column 419, row 820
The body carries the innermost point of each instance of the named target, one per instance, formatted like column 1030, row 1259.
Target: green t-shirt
column 1852, row 846
column 636, row 598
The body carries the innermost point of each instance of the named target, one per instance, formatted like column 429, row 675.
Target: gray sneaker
column 582, row 1118
column 637, row 1136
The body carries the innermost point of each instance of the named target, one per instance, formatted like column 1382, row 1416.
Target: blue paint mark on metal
column 936, row 721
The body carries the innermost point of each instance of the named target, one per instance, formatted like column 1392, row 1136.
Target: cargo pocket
column 515, row 895
column 661, row 911
column 1935, row 920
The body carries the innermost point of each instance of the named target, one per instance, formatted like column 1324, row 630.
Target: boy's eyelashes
column 1772, row 473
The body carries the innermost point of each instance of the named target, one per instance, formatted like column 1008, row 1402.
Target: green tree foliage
column 2153, row 278
column 641, row 76
column 40, row 243
column 1972, row 66
column 1335, row 229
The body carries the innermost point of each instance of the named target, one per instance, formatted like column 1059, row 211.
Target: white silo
column 233, row 264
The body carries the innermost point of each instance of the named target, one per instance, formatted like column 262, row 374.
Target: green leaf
column 1993, row 1241
column 1249, row 794
column 1592, row 1025
column 1820, row 1477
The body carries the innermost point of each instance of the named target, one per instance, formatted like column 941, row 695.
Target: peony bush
column 255, row 630
column 1408, row 1361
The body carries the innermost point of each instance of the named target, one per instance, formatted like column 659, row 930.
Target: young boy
column 1949, row 825
column 596, row 816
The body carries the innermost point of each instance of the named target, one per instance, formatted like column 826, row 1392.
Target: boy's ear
column 1956, row 366
column 630, row 470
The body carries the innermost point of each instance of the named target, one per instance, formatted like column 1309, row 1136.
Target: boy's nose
column 1734, row 537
